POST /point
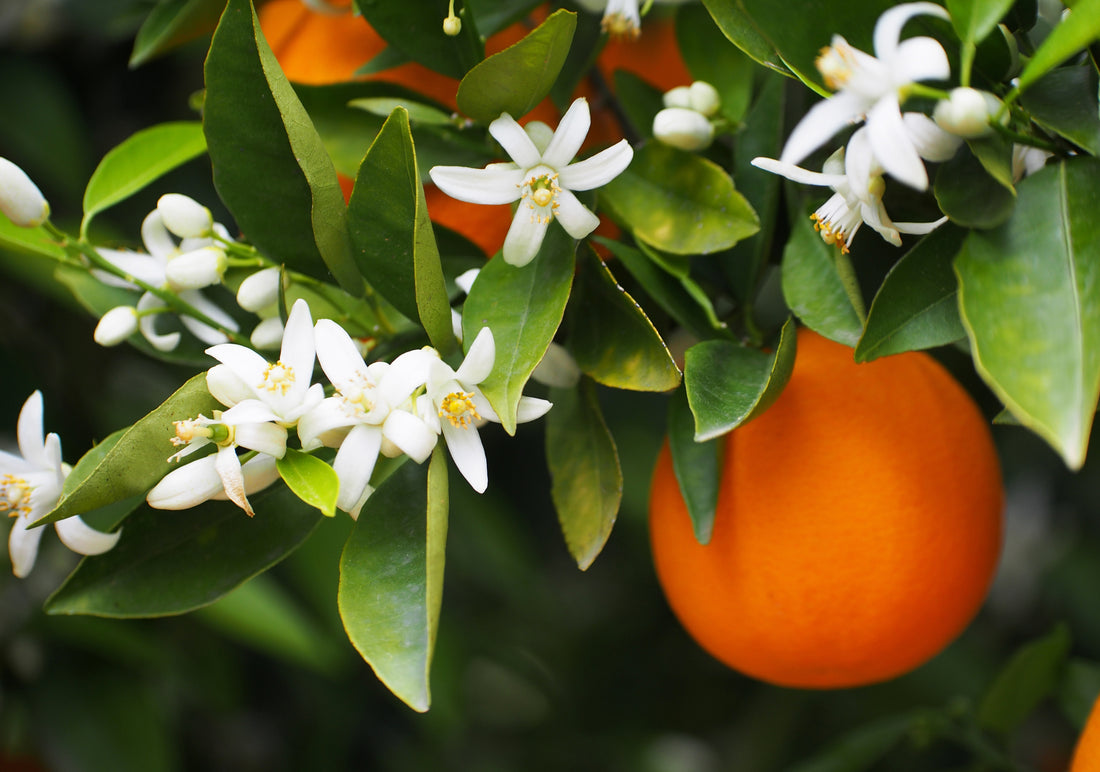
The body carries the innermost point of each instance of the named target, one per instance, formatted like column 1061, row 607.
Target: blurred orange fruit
column 1086, row 757
column 857, row 529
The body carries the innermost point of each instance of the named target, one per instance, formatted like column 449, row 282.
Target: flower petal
column 919, row 228
column 577, row 219
column 511, row 136
column 166, row 342
column 23, row 546
column 245, row 363
column 930, row 141
column 338, row 355
column 354, row 463
column 228, row 466
column 249, row 411
column 889, row 25
column 266, row 438
column 531, row 408
column 226, row 386
column 411, row 434
column 479, row 360
column 158, row 241
column 919, row 59
column 187, row 486
column 822, row 121
column 796, row 173
column 891, row 144
column 329, row 416
column 29, row 433
column 468, row 454
column 599, row 169
column 492, row 185
column 83, row 539
column 569, row 136
column 524, row 237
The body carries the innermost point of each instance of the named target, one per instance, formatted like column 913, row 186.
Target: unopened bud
column 967, row 112
column 452, row 25
column 20, row 198
column 184, row 216
column 704, row 98
column 268, row 334
column 259, row 291
column 116, row 325
column 197, row 269
column 683, row 128
column 678, row 97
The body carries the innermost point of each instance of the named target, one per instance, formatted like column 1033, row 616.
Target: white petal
column 184, row 216
column 187, row 486
column 20, row 198
column 569, row 136
column 531, row 408
column 919, row 228
column 298, row 351
column 479, row 360
column 139, row 265
column 599, row 169
column 515, row 141
column 919, row 59
column 930, row 141
column 267, row 438
column 29, row 433
column 354, row 463
column 158, row 242
column 557, row 368
column 406, row 374
column 577, row 219
column 889, row 24
column 468, row 454
column 259, row 472
column 23, row 546
column 524, row 238
column 166, row 342
column 268, row 334
column 465, row 280
column 245, row 363
column 408, row 432
column 822, row 121
column 796, row 173
column 249, row 411
column 338, row 355
column 226, row 386
column 891, row 145
column 83, row 539
column 318, row 422
column 197, row 269
column 228, row 466
column 492, row 185
column 259, row 290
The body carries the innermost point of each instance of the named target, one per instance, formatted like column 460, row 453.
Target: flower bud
column 197, row 269
column 683, row 128
column 704, row 98
column 20, row 198
column 967, row 112
column 268, row 334
column 116, row 325
column 452, row 25
column 557, row 368
column 678, row 97
column 184, row 216
column 259, row 291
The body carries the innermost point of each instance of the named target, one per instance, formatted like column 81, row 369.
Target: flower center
column 837, row 222
column 458, row 408
column 15, row 495
column 359, row 399
column 277, row 378
column 540, row 192
column 619, row 25
column 836, row 63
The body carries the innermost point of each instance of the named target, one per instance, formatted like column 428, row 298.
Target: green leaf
column 862, row 748
column 516, row 79
column 1078, row 690
column 391, row 577
column 917, row 305
column 144, row 157
column 1029, row 296
column 1076, row 31
column 392, row 237
column 969, row 195
column 418, row 112
column 523, row 307
column 311, row 480
column 710, row 58
column 170, row 562
column 270, row 166
column 416, row 29
column 1065, row 103
column 728, row 384
column 1031, row 675
column 611, row 338
column 138, row 459
column 994, row 153
column 36, row 241
column 740, row 29
column 697, row 466
column 814, row 287
column 974, row 19
column 171, row 24
column 679, row 202
column 586, row 479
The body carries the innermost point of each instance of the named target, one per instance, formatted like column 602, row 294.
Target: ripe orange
column 1086, row 757
column 857, row 530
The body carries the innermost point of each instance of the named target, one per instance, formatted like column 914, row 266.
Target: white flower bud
column 704, row 98
column 678, row 97
column 967, row 112
column 683, row 128
column 268, row 334
column 259, row 291
column 184, row 216
column 197, row 269
column 116, row 325
column 557, row 368
column 452, row 25
column 20, row 198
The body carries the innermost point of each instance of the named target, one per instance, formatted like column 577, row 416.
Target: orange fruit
column 1086, row 757
column 857, row 529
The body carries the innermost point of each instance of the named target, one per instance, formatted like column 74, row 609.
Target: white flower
column 684, row 128
column 967, row 113
column 20, row 198
column 371, row 411
column 201, row 480
column 455, row 406
column 30, row 486
column 1027, row 160
column 541, row 177
column 874, row 87
column 856, row 177
column 116, row 325
column 184, row 216
column 259, row 292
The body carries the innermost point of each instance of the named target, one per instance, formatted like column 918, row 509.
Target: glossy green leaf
column 144, row 157
column 586, row 479
column 1065, row 103
column 139, row 458
column 416, row 29
column 917, row 305
column 523, row 307
column 392, row 237
column 994, row 153
column 679, row 202
column 611, row 338
column 1076, row 31
column 36, row 241
column 270, row 166
column 969, row 195
column 697, row 466
column 172, row 23
column 516, row 79
column 391, row 577
column 815, row 288
column 1031, row 675
column 974, row 19
column 728, row 384
column 1029, row 295
column 709, row 57
column 311, row 480
column 739, row 28
column 169, row 562
column 418, row 112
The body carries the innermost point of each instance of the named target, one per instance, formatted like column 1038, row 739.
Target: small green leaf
column 36, row 241
column 917, row 305
column 974, row 19
column 173, row 23
column 416, row 30
column 994, row 153
column 697, row 466
column 1064, row 103
column 138, row 459
column 710, row 58
column 1073, row 34
column 1029, row 296
column 587, row 482
column 516, row 79
column 523, row 307
column 311, row 480
column 418, row 112
column 169, row 562
column 679, row 202
column 144, row 157
column 968, row 194
column 739, row 28
column 611, row 338
column 391, row 577
column 1031, row 675
column 814, row 287
column 728, row 384
column 391, row 234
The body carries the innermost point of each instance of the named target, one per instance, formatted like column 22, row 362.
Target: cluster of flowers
column 686, row 121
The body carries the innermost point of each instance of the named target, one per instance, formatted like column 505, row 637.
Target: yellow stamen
column 15, row 495
column 458, row 408
column 277, row 378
